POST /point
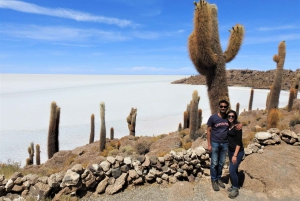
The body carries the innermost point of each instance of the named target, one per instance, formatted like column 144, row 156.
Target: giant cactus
column 103, row 127
column 206, row 53
column 131, row 121
column 276, row 86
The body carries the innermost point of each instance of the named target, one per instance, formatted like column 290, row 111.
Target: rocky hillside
column 247, row 78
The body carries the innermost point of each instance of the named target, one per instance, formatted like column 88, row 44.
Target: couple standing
column 224, row 134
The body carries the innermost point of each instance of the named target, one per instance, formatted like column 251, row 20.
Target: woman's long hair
column 235, row 121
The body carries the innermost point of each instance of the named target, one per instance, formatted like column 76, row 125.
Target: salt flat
column 25, row 107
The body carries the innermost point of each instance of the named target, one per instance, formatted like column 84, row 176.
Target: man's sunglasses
column 221, row 106
column 230, row 116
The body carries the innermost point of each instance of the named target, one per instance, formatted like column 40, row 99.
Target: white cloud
column 277, row 28
column 63, row 13
column 58, row 33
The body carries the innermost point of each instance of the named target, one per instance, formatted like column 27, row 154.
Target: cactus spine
column 206, row 53
column 251, row 100
column 194, row 115
column 276, row 87
column 131, row 120
column 37, row 154
column 199, row 119
column 237, row 109
column 112, row 133
column 52, row 131
column 103, row 127
column 92, row 133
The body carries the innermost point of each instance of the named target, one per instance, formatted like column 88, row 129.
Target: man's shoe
column 233, row 193
column 220, row 183
column 230, row 188
column 215, row 185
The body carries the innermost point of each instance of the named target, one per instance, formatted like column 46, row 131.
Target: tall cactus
column 131, row 120
column 57, row 129
column 276, row 86
column 237, row 109
column 251, row 100
column 206, row 53
column 51, row 132
column 92, row 133
column 30, row 149
column 37, row 154
column 112, row 133
column 292, row 96
column 194, row 115
column 185, row 119
column 103, row 127
column 295, row 84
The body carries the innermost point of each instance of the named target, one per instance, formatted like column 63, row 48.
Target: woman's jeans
column 233, row 168
column 218, row 155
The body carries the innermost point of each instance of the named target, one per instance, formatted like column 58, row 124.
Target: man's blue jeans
column 218, row 155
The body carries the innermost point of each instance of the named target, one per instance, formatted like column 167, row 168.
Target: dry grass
column 295, row 120
column 9, row 168
column 248, row 139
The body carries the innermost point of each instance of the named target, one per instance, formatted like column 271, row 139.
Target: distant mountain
column 247, row 78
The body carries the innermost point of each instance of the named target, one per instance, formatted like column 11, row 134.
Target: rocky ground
column 247, row 78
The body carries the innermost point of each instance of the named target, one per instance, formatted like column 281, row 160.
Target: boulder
column 70, row 179
column 261, row 136
column 118, row 185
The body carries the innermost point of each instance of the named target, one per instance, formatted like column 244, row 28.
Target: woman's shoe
column 233, row 193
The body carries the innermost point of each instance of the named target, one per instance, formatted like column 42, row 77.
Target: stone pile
column 111, row 175
column 271, row 137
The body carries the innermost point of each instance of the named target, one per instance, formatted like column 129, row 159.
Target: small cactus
column 37, row 154
column 273, row 119
column 292, row 96
column 179, row 127
column 237, row 109
column 92, row 133
column 194, row 115
column 112, row 132
column 251, row 100
column 103, row 127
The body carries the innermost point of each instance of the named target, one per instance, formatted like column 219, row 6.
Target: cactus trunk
column 103, row 127
column 237, row 109
column 92, row 133
column 251, row 100
column 194, row 115
column 51, row 132
column 37, row 154
column 131, row 120
column 112, row 133
column 199, row 119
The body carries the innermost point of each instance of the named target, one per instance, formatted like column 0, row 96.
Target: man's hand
column 239, row 126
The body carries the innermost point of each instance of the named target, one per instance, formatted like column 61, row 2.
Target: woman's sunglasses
column 231, row 116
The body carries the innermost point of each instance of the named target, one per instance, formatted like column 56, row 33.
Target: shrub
column 273, row 119
column 248, row 139
column 295, row 120
column 9, row 168
column 143, row 147
column 127, row 150
column 187, row 145
column 162, row 153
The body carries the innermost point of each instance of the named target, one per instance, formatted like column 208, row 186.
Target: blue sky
column 137, row 37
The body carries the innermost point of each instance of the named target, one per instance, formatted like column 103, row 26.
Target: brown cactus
column 185, row 119
column 292, row 96
column 206, row 53
column 251, row 100
column 51, row 132
column 92, row 133
column 57, row 129
column 276, row 86
column 103, row 127
column 131, row 120
column 194, row 115
column 199, row 119
column 179, row 127
column 237, row 109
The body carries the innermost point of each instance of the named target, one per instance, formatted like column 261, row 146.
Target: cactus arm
column 276, row 58
column 202, row 33
column 235, row 42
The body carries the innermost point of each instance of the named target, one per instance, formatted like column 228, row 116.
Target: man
column 217, row 127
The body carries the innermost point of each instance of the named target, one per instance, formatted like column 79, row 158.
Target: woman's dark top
column 235, row 138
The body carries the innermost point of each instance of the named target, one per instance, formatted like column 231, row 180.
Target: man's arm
column 208, row 132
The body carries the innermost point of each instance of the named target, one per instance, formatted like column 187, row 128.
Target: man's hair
column 224, row 101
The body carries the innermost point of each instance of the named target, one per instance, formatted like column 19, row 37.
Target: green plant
column 251, row 100
column 37, row 154
column 103, row 127
column 194, row 115
column 92, row 133
column 131, row 120
column 206, row 53
column 276, row 86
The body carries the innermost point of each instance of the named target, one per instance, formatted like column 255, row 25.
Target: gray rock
column 105, row 165
column 132, row 174
column 116, row 172
column 102, row 185
column 166, row 169
column 16, row 175
column 111, row 159
column 9, row 184
column 32, row 178
column 127, row 160
column 2, row 177
column 17, row 188
column 18, row 181
column 247, row 151
column 153, row 160
column 120, row 159
column 138, row 181
column 146, row 162
column 118, row 185
column 172, row 179
column 268, row 142
column 141, row 158
column 124, row 168
column 168, row 157
column 260, row 151
column 161, row 159
column 199, row 151
column 159, row 180
column 263, row 135
column 70, row 179
column 40, row 190
column 111, row 181
column 77, row 168
column 165, row 177
column 43, row 179
column 55, row 179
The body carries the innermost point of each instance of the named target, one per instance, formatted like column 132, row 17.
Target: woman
column 235, row 152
